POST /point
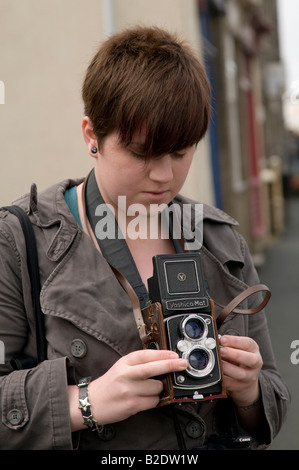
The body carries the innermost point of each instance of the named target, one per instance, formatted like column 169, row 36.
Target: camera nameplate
column 187, row 303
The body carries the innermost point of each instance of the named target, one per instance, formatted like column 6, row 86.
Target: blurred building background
column 44, row 50
column 242, row 164
column 247, row 136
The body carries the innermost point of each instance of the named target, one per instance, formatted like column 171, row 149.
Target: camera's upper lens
column 194, row 328
column 199, row 359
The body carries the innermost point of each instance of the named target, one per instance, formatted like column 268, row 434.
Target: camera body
column 181, row 318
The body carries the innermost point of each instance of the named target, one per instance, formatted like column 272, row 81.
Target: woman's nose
column 161, row 169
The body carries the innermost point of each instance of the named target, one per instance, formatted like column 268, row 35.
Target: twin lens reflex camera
column 181, row 318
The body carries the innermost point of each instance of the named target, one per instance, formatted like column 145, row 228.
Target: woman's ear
column 89, row 136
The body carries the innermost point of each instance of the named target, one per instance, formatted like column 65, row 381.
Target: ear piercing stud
column 94, row 150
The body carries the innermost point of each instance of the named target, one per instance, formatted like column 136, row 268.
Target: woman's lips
column 156, row 195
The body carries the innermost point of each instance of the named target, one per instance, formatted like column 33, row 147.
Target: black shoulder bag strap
column 33, row 269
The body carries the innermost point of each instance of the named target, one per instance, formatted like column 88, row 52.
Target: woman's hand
column 127, row 387
column 241, row 364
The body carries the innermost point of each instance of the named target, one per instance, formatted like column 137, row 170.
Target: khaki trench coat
column 90, row 325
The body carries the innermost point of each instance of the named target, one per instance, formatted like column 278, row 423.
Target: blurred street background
column 280, row 273
column 248, row 164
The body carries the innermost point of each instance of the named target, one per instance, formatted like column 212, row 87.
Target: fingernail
column 173, row 355
column 223, row 352
column 182, row 363
column 223, row 341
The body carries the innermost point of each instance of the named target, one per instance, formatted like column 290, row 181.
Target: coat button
column 194, row 429
column 15, row 417
column 78, row 348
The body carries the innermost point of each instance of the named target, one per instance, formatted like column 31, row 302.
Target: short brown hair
column 147, row 78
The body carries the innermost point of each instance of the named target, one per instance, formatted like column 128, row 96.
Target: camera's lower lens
column 199, row 359
column 194, row 328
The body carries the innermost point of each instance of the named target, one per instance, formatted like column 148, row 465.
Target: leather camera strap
column 123, row 281
column 231, row 307
column 226, row 310
column 114, row 245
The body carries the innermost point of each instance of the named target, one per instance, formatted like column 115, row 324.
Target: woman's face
column 124, row 171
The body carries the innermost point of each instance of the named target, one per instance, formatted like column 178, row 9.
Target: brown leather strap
column 231, row 307
column 124, row 282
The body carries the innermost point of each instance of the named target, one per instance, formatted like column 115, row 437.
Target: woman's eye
column 142, row 156
column 136, row 153
column 178, row 155
column 139, row 156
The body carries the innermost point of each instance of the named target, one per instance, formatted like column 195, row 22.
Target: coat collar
column 209, row 212
column 219, row 236
column 49, row 210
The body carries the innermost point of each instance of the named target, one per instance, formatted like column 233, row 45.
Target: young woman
column 147, row 105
